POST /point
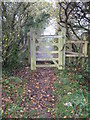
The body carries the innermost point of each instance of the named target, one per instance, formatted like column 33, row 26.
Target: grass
column 72, row 91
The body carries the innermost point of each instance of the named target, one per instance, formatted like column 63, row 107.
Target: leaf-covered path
column 39, row 90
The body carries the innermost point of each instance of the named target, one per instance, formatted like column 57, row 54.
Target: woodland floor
column 37, row 97
column 33, row 94
column 39, row 89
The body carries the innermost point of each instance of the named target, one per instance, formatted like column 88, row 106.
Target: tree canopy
column 17, row 18
column 75, row 16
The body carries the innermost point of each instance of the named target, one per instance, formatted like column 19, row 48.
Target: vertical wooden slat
column 64, row 41
column 60, row 52
column 83, row 54
column 85, row 48
column 61, row 57
column 70, row 47
column 34, row 51
column 31, row 48
column 28, row 49
column 84, row 51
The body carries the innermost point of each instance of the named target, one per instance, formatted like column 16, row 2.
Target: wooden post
column 70, row 47
column 34, row 51
column 31, row 49
column 28, row 49
column 63, row 45
column 84, row 50
column 60, row 62
column 59, row 53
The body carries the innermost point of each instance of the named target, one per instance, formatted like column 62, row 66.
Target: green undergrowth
column 71, row 88
column 14, row 98
column 11, row 69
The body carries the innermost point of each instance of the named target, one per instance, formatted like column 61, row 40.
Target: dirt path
column 39, row 88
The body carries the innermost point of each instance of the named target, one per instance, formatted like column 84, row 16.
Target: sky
column 50, row 29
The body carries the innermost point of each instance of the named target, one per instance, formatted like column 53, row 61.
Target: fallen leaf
column 65, row 117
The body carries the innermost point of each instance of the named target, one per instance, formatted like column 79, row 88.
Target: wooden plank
column 34, row 52
column 70, row 48
column 46, row 59
column 50, row 36
column 85, row 48
column 68, row 55
column 48, row 65
column 76, row 42
column 84, row 52
column 52, row 52
column 31, row 49
column 28, row 49
column 64, row 41
column 47, row 44
column 59, row 55
column 61, row 46
column 75, row 53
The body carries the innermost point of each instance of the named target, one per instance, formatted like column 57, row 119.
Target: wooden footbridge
column 55, row 56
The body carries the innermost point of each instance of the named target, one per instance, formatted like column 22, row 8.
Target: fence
column 56, row 57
